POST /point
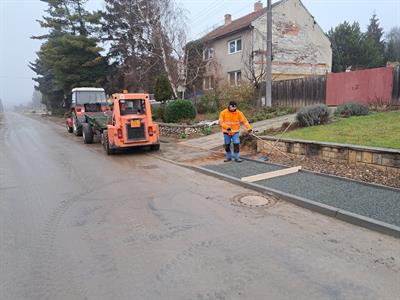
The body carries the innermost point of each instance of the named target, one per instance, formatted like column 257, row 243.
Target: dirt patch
column 207, row 159
column 361, row 173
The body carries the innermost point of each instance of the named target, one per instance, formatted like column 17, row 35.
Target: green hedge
column 179, row 111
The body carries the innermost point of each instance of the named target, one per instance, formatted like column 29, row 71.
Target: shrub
column 163, row 90
column 179, row 110
column 208, row 104
column 207, row 130
column 352, row 109
column 244, row 95
column 158, row 112
column 313, row 115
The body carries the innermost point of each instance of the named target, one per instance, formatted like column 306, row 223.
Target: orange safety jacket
column 232, row 120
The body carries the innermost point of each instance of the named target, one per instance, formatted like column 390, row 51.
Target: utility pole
column 268, row 79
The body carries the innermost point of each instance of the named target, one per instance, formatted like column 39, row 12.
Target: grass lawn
column 376, row 130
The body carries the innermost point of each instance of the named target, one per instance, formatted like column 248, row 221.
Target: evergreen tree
column 163, row 90
column 74, row 61
column 346, row 50
column 70, row 56
column 392, row 50
column 375, row 32
column 352, row 48
column 371, row 56
column 68, row 17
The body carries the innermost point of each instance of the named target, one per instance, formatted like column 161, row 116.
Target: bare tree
column 195, row 64
column 165, row 26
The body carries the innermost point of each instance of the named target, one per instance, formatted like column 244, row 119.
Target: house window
column 235, row 46
column 235, row 77
column 208, row 53
column 208, row 83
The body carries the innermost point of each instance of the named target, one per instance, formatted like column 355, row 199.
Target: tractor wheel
column 106, row 143
column 155, row 147
column 75, row 126
column 69, row 129
column 87, row 133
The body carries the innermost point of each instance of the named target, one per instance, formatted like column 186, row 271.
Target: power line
column 206, row 16
column 206, row 30
column 201, row 14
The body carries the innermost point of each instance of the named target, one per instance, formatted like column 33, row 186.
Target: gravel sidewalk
column 362, row 173
column 378, row 203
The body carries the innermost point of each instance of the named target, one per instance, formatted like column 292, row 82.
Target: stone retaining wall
column 177, row 130
column 380, row 158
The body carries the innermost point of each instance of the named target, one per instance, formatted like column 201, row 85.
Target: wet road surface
column 77, row 224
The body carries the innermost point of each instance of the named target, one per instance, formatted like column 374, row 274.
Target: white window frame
column 208, row 83
column 208, row 53
column 237, row 83
column 236, row 42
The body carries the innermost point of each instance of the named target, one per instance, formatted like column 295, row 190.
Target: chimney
column 228, row 19
column 258, row 6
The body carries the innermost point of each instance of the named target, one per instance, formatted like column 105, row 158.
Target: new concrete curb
column 324, row 209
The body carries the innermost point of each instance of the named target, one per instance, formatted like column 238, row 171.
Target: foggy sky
column 17, row 25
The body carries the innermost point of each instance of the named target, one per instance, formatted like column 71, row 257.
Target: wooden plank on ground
column 272, row 174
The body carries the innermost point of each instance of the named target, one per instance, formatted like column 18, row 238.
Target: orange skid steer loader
column 129, row 124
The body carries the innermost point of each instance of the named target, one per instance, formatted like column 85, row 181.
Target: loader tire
column 77, row 130
column 106, row 143
column 87, row 133
column 155, row 147
column 69, row 129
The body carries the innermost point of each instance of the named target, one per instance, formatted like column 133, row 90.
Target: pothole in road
column 254, row 200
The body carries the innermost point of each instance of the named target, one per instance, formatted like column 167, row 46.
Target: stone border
column 380, row 158
column 177, row 130
column 324, row 209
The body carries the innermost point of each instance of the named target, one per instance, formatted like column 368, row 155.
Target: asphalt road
column 77, row 224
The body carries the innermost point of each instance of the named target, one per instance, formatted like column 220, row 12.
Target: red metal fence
column 396, row 86
column 373, row 86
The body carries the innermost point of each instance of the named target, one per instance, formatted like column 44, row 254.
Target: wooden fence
column 299, row 92
column 365, row 86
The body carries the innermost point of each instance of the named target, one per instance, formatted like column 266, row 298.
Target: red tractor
column 85, row 100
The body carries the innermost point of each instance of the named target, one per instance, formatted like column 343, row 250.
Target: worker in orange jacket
column 230, row 120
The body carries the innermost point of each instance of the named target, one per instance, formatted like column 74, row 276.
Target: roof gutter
column 228, row 34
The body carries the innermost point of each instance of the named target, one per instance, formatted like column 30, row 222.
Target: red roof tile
column 237, row 24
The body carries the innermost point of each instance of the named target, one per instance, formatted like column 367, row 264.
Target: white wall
column 300, row 47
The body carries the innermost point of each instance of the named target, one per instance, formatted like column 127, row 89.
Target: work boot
column 238, row 160
column 228, row 159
